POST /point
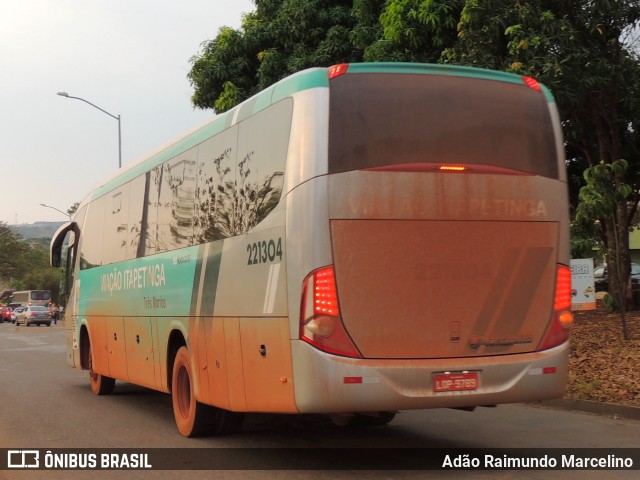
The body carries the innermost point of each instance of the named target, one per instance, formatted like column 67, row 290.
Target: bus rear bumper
column 330, row 384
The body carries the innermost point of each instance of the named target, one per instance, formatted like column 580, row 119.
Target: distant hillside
column 37, row 229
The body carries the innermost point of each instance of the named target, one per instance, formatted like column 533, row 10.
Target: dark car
column 601, row 277
column 34, row 316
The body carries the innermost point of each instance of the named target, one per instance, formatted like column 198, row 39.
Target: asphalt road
column 45, row 404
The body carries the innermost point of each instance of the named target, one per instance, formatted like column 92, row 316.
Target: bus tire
column 193, row 418
column 100, row 384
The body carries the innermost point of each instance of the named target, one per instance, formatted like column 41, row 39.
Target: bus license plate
column 455, row 381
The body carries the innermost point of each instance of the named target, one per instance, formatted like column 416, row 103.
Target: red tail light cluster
column 531, row 83
column 338, row 70
column 563, row 289
column 560, row 328
column 320, row 320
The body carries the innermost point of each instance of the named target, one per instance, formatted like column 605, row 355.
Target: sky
column 128, row 57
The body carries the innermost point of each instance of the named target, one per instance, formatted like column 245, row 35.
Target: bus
column 353, row 241
column 40, row 298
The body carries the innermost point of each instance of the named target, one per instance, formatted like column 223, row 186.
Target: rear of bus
column 432, row 243
column 30, row 298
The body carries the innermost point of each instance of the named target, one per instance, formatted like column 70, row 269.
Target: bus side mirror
column 55, row 249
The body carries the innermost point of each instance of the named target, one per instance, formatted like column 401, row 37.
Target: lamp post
column 56, row 209
column 65, row 94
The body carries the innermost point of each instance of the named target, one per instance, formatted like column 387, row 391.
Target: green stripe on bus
column 157, row 285
column 313, row 78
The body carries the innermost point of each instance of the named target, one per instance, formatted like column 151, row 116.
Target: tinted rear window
column 390, row 119
column 42, row 295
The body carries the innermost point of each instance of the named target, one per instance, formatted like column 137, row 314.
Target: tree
column 600, row 198
column 280, row 38
column 25, row 265
column 416, row 30
column 13, row 251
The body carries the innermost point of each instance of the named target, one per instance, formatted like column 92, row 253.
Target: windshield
column 382, row 119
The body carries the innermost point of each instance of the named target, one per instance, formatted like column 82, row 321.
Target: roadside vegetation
column 24, row 265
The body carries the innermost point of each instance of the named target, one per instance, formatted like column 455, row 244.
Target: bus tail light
column 531, row 83
column 320, row 321
column 560, row 328
column 452, row 168
column 338, row 70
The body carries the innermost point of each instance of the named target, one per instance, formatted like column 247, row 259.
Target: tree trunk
column 619, row 261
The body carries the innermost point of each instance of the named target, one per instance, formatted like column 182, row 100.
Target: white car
column 34, row 315
column 15, row 312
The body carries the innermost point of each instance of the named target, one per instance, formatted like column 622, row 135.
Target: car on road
column 7, row 313
column 15, row 309
column 601, row 277
column 15, row 312
column 33, row 315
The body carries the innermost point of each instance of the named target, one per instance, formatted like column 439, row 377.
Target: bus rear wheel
column 100, row 384
column 193, row 418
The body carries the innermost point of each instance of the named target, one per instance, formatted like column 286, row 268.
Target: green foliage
column 420, row 29
column 25, row 265
column 584, row 239
column 231, row 95
column 225, row 60
column 278, row 39
column 13, row 251
column 605, row 188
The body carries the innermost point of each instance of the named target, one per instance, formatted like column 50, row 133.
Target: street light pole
column 117, row 117
column 56, row 209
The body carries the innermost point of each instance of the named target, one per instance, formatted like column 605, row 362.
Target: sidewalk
column 598, row 408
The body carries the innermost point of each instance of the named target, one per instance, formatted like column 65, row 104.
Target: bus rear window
column 380, row 120
column 40, row 295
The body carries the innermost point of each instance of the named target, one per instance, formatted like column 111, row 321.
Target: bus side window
column 175, row 184
column 116, row 227
column 216, row 188
column 263, row 145
column 143, row 218
column 93, row 235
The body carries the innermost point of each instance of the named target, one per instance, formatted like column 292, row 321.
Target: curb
column 612, row 410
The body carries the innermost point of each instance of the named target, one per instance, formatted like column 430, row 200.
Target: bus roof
column 303, row 80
